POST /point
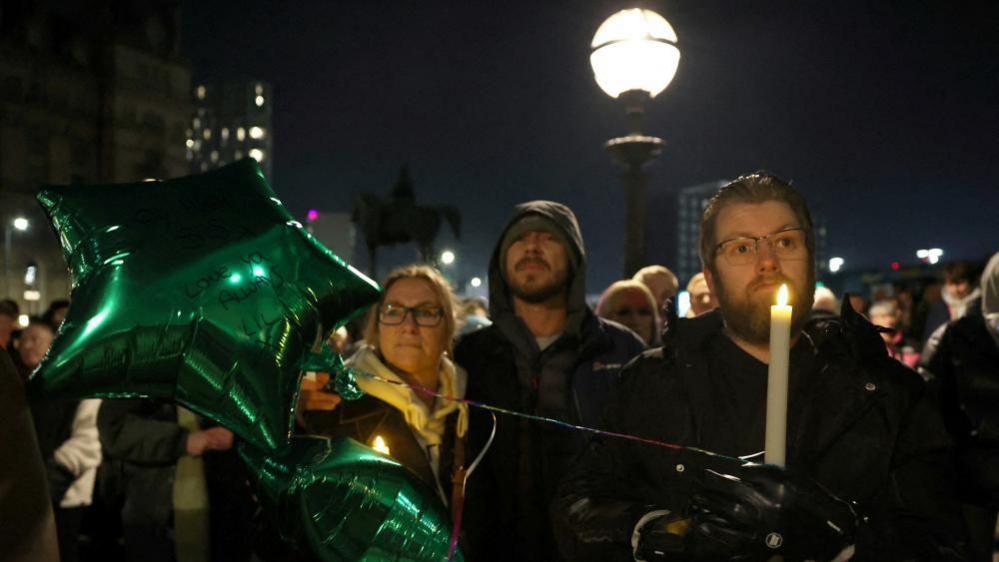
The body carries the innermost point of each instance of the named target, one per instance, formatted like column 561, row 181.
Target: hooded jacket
column 859, row 423
column 508, row 496
column 964, row 365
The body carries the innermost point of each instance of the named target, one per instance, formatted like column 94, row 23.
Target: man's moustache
column 537, row 261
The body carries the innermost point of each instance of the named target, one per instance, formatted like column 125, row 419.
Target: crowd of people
column 893, row 425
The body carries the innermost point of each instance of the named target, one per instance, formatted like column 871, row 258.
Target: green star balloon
column 202, row 290
column 345, row 502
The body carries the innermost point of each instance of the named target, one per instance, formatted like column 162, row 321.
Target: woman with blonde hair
column 408, row 341
column 631, row 303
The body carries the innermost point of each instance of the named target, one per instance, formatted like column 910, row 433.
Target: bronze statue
column 399, row 220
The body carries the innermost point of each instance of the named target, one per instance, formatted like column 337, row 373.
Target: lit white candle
column 780, row 348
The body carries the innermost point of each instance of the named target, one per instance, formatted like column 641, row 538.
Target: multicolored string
column 426, row 391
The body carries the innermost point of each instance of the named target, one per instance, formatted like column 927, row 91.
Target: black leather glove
column 768, row 511
column 668, row 537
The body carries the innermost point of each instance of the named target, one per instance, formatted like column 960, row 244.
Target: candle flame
column 782, row 295
column 379, row 445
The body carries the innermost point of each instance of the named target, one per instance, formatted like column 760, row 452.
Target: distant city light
column 931, row 255
column 214, row 156
column 21, row 223
column 895, row 266
column 447, row 257
column 30, row 274
column 476, row 282
column 259, row 89
column 257, row 154
column 201, row 91
column 190, row 143
column 260, row 101
column 682, row 304
column 256, row 133
column 208, row 134
column 30, row 295
column 240, row 134
column 225, row 133
column 312, row 214
column 23, row 320
column 835, row 264
column 196, row 123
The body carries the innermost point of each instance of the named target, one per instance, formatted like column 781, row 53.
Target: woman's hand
column 312, row 397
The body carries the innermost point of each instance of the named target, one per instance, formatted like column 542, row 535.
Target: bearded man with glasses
column 868, row 472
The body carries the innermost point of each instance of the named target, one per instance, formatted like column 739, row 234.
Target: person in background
column 56, row 313
column 474, row 316
column 545, row 354
column 885, row 313
column 701, row 299
column 825, row 305
column 661, row 281
column 67, row 437
column 963, row 364
column 8, row 323
column 149, row 445
column 631, row 304
column 959, row 294
column 859, row 304
column 28, row 531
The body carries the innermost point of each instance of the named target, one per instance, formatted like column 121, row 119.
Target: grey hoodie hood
column 501, row 304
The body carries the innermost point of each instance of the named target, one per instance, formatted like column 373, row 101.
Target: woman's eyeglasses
column 395, row 314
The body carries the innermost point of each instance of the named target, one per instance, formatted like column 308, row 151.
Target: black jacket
column 506, row 511
column 861, row 425
column 367, row 417
column 27, row 528
column 965, row 366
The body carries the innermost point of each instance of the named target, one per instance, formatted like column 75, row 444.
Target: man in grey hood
column 964, row 365
column 546, row 354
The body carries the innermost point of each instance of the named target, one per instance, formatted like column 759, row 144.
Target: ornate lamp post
column 634, row 57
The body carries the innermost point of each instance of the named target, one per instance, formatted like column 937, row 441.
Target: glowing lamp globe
column 634, row 50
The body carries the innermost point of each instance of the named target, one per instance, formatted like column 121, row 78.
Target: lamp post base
column 634, row 151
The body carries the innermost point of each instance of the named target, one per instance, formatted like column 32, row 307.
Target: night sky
column 886, row 119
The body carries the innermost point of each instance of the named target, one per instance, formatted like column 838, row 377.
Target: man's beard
column 748, row 315
column 536, row 294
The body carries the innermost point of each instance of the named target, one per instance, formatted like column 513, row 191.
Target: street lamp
column 634, row 57
column 447, row 257
column 17, row 223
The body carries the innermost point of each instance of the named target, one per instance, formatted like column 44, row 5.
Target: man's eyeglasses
column 395, row 314
column 787, row 245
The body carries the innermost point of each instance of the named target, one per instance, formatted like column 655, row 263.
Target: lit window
column 190, row 143
column 260, row 101
column 200, row 92
column 225, row 133
column 197, row 145
column 208, row 134
column 189, row 133
column 196, row 123
column 215, row 156
column 257, row 154
column 240, row 134
column 238, row 154
column 259, row 89
column 256, row 133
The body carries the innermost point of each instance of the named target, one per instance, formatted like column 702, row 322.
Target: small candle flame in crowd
column 782, row 295
column 379, row 445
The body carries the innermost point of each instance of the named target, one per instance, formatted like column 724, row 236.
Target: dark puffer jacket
column 507, row 516
column 859, row 423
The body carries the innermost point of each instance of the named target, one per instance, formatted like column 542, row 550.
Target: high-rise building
column 231, row 121
column 90, row 92
column 690, row 206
